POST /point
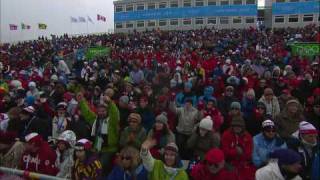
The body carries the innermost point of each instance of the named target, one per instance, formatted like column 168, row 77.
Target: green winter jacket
column 113, row 124
column 158, row 171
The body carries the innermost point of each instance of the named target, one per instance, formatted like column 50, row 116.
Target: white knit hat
column 307, row 128
column 267, row 123
column 29, row 109
column 206, row 123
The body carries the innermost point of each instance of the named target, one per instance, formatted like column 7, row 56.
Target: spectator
column 265, row 143
column 61, row 121
column 305, row 142
column 271, row 103
column 314, row 116
column 128, row 166
column 188, row 116
column 161, row 134
column 225, row 101
column 238, row 146
column 213, row 167
column 104, row 128
column 287, row 166
column 38, row 156
column 87, row 164
column 134, row 134
column 65, row 148
column 203, row 139
column 146, row 113
column 288, row 120
column 169, row 168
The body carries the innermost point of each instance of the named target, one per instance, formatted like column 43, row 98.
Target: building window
column 236, row 20
column 319, row 17
column 162, row 5
column 223, row 3
column 151, row 23
column 174, row 22
column 151, row 6
column 212, row 2
column 212, row 20
column 186, row 21
column 199, row 3
column 119, row 9
column 140, row 7
column 129, row 25
column 294, row 0
column 162, row 22
column 279, row 19
column 140, row 24
column 174, row 4
column 187, row 3
column 129, row 7
column 119, row 25
column 249, row 20
column 293, row 18
column 224, row 20
column 199, row 21
column 308, row 18
column 250, row 2
column 279, row 1
column 237, row 2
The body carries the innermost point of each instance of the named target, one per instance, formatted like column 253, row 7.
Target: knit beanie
column 162, row 118
column 172, row 147
column 214, row 156
column 206, row 123
column 307, row 128
column 235, row 105
column 124, row 99
column 286, row 156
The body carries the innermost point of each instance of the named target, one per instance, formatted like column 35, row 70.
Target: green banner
column 97, row 51
column 306, row 49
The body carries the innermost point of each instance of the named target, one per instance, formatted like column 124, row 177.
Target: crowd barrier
column 27, row 174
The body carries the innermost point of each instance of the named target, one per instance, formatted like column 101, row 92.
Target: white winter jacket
column 271, row 172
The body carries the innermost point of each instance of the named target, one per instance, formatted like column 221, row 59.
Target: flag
column 42, row 26
column 73, row 19
column 25, row 26
column 13, row 27
column 89, row 19
column 102, row 18
column 82, row 19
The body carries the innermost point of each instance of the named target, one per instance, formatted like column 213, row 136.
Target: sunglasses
column 270, row 130
column 128, row 158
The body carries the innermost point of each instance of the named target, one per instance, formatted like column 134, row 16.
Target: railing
column 27, row 174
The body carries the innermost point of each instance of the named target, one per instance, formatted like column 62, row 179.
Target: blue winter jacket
column 263, row 147
column 118, row 173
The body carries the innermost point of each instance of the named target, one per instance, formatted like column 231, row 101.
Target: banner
column 97, row 51
column 306, row 49
column 187, row 12
column 89, row 19
column 42, row 26
column 13, row 27
column 308, row 7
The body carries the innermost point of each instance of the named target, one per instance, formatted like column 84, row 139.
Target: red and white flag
column 13, row 27
column 102, row 18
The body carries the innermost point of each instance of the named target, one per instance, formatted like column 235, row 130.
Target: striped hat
column 307, row 128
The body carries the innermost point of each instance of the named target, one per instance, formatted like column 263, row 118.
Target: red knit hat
column 83, row 144
column 34, row 138
column 214, row 156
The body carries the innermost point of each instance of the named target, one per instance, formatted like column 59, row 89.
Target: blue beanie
column 209, row 90
column 286, row 156
column 30, row 100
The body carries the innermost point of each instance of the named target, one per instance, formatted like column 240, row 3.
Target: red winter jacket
column 200, row 171
column 41, row 162
column 230, row 141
